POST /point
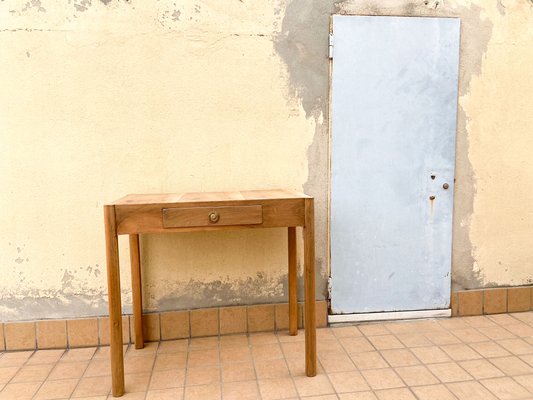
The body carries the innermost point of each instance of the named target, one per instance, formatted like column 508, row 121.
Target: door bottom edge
column 386, row 316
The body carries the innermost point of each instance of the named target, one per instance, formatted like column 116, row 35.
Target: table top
column 195, row 197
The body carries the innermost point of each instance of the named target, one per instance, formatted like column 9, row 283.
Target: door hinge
column 329, row 288
column 330, row 47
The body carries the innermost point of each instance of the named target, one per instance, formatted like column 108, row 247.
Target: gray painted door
column 394, row 102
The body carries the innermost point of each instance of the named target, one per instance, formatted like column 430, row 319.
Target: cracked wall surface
column 106, row 97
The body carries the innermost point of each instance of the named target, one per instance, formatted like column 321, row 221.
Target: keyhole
column 433, row 177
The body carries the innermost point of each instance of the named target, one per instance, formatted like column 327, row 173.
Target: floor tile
column 244, row 390
column 384, row 342
column 165, row 394
column 202, row 375
column 323, row 397
column 516, row 346
column 279, row 388
column 460, row 352
column 293, row 349
column 356, row 344
column 32, row 373
column 344, row 382
column 324, row 334
column 267, row 351
column 414, row 340
column 175, row 360
column 496, row 333
column 526, row 381
column 479, row 321
column 19, row 391
column 15, row 359
column 453, row 324
column 330, row 347
column 200, row 358
column 399, row 357
column 167, row 379
column 60, row 389
column 68, row 370
column 238, row 372
column 502, row 319
column 382, row 378
column 481, row 369
column 45, row 357
column 470, row 335
column 230, row 341
column 433, row 392
column 442, row 338
column 268, row 369
column 512, row 365
column 317, row 385
column 336, row 363
column 395, row 394
column 81, row 354
column 172, row 346
column 506, row 388
column 369, row 360
column 432, row 354
column 204, row 343
column 497, row 351
column 528, row 358
column 521, row 330
column 137, row 382
column 204, row 392
column 358, row 396
column 137, row 365
column 270, row 338
column 470, row 391
column 417, row 375
column 149, row 349
column 374, row 329
column 346, row 331
column 6, row 373
column 449, row 372
column 489, row 349
column 94, row 386
column 235, row 354
column 98, row 367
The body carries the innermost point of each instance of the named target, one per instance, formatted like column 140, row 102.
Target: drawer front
column 212, row 216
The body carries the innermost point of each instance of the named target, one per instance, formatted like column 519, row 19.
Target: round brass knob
column 445, row 186
column 214, row 216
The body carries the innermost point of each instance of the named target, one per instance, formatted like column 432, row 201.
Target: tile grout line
column 84, row 371
column 47, row 375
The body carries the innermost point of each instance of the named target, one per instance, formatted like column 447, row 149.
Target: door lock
column 445, row 186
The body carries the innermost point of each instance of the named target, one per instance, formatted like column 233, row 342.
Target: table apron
column 131, row 219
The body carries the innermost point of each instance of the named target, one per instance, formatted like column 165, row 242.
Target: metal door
column 394, row 102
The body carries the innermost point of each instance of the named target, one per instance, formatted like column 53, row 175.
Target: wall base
column 87, row 332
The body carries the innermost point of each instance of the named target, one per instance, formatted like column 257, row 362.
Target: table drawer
column 212, row 216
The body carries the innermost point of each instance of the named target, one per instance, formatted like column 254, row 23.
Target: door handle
column 445, row 186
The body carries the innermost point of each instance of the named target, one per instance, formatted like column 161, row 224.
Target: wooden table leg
column 115, row 308
column 136, row 289
column 309, row 276
column 293, row 284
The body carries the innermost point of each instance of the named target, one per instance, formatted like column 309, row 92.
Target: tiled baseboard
column 492, row 301
column 85, row 332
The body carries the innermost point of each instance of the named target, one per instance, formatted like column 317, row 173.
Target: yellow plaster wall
column 500, row 132
column 131, row 98
column 102, row 98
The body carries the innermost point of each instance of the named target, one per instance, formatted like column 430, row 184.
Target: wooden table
column 185, row 212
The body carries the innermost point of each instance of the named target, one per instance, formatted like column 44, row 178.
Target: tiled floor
column 470, row 358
